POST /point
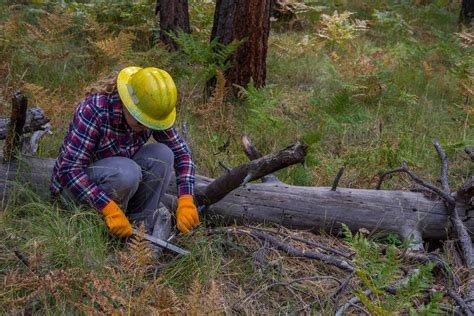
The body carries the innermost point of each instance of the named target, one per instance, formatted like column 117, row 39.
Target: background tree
column 467, row 12
column 247, row 20
column 174, row 17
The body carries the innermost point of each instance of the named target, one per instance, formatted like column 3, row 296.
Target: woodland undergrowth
column 368, row 84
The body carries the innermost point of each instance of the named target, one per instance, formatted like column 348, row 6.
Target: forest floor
column 367, row 91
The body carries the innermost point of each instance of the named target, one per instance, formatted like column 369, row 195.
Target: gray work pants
column 136, row 184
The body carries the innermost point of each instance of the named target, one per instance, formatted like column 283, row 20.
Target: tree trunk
column 247, row 20
column 174, row 17
column 467, row 12
column 311, row 208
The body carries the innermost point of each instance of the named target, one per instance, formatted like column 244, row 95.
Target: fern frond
column 166, row 302
column 194, row 298
column 36, row 34
column 10, row 27
column 91, row 25
column 217, row 99
column 115, row 47
column 158, row 56
column 51, row 103
column 213, row 300
column 466, row 38
column 339, row 28
column 139, row 248
column 8, row 32
column 55, row 23
column 51, row 28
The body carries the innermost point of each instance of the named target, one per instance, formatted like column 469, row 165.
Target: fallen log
column 231, row 198
column 309, row 208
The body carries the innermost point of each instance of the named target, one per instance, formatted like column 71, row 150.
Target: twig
column 391, row 289
column 295, row 252
column 460, row 302
column 308, row 242
column 249, row 148
column 444, row 165
column 464, row 239
column 459, row 228
column 350, row 303
column 360, row 308
column 386, row 173
column 440, row 264
column 404, row 168
column 309, row 278
column 224, row 166
column 342, row 288
column 337, row 178
column 20, row 255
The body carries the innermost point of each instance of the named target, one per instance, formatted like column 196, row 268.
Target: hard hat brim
column 123, row 80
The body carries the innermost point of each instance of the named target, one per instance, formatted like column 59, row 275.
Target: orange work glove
column 116, row 220
column 186, row 214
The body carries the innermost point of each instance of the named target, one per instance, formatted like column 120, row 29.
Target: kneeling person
column 105, row 161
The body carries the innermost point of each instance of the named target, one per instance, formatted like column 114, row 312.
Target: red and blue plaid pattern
column 99, row 130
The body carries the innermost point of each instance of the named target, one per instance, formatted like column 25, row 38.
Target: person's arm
column 183, row 162
column 186, row 214
column 82, row 141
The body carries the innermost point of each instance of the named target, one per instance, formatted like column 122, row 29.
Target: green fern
column 210, row 56
column 377, row 272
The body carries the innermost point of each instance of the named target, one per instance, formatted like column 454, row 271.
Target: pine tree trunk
column 467, row 12
column 249, row 20
column 174, row 17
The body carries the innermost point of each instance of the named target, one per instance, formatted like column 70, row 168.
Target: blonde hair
column 106, row 84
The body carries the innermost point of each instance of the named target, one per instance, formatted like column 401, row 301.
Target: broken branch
column 295, row 252
column 444, row 166
column 252, row 153
column 254, row 170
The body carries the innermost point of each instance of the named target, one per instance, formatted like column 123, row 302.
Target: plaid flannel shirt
column 98, row 131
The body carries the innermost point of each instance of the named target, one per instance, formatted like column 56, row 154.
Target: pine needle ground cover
column 367, row 84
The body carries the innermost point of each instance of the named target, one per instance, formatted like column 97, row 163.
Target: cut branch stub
column 15, row 126
column 252, row 153
column 337, row 178
column 254, row 170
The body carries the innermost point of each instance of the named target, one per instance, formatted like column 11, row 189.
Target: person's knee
column 165, row 153
column 158, row 154
column 118, row 174
column 129, row 175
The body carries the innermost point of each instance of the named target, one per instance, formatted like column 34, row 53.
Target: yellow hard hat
column 149, row 95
